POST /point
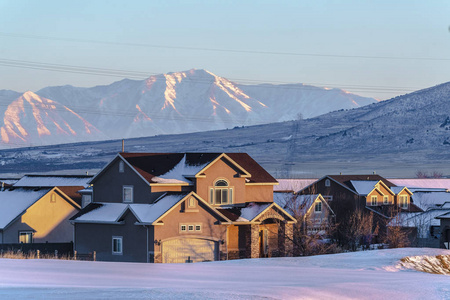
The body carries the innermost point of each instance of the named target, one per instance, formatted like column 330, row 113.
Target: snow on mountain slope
column 191, row 101
column 33, row 119
column 395, row 138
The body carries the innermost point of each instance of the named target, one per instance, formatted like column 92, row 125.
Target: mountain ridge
column 181, row 102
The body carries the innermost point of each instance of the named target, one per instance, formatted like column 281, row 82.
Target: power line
column 220, row 50
column 143, row 75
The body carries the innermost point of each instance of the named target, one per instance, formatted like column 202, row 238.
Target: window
column 183, row 228
column 127, row 193
column 404, row 201
column 85, row 200
column 121, row 167
column 327, row 182
column 25, row 237
column 117, row 245
column 318, row 207
column 191, row 202
column 221, row 193
column 198, row 228
column 374, row 201
column 385, row 200
column 191, row 228
column 53, row 198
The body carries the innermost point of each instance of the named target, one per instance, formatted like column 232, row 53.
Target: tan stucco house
column 183, row 207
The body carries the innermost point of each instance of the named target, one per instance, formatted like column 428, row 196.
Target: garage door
column 189, row 250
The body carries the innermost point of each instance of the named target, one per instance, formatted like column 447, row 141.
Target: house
column 36, row 215
column 73, row 186
column 444, row 226
column 183, row 207
column 365, row 193
column 312, row 210
column 423, row 228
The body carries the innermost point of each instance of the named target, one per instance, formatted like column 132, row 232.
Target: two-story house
column 365, row 193
column 183, row 207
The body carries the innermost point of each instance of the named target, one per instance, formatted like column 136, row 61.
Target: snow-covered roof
column 424, row 219
column 426, row 200
column 252, row 210
column 14, row 202
column 52, row 181
column 180, row 173
column 104, row 213
column 294, row 185
column 363, row 187
column 397, row 189
column 149, row 213
column 9, row 181
column 145, row 213
column 423, row 183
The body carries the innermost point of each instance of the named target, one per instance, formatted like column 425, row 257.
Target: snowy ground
column 370, row 274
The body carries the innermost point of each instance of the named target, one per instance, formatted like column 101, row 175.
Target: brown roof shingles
column 149, row 165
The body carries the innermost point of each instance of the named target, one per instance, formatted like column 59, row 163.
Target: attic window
column 327, row 182
column 121, row 167
column 191, row 202
column 53, row 198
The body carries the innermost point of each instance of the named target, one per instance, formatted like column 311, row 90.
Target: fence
column 49, row 250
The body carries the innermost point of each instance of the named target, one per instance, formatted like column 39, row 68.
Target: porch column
column 252, row 241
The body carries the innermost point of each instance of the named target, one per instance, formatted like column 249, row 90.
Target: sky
column 378, row 49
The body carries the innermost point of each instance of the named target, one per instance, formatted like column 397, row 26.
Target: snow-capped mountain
column 32, row 119
column 395, row 138
column 181, row 102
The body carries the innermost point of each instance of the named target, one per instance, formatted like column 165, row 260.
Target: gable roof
column 178, row 168
column 251, row 211
column 443, row 183
column 346, row 179
column 365, row 187
column 293, row 185
column 146, row 214
column 53, row 180
column 14, row 202
column 304, row 202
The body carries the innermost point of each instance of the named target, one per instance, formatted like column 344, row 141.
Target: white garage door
column 189, row 250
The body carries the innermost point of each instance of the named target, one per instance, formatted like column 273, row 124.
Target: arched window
column 221, row 193
column 327, row 182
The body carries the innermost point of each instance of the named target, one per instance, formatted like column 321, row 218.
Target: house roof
column 426, row 200
column 293, row 185
column 179, row 167
column 422, row 182
column 144, row 213
column 363, row 187
column 72, row 192
column 53, row 180
column 426, row 218
column 14, row 202
column 251, row 211
column 8, row 181
column 346, row 179
column 303, row 203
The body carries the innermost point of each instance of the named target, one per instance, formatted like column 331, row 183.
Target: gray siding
column 108, row 186
column 98, row 237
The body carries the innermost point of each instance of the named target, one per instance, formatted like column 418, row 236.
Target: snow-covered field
column 362, row 275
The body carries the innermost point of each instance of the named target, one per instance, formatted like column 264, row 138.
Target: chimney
column 123, row 145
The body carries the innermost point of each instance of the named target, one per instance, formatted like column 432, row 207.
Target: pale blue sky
column 394, row 29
